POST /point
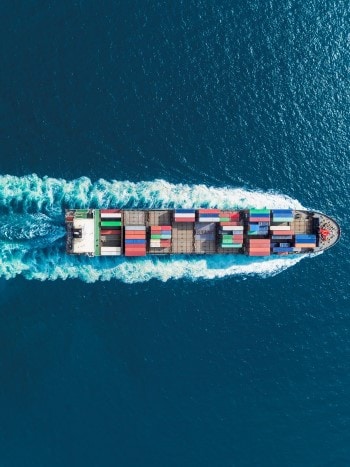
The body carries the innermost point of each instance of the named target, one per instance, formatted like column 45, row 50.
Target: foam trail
column 32, row 230
column 49, row 195
column 53, row 264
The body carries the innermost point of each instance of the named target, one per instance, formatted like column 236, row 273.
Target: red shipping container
column 282, row 232
column 233, row 223
column 184, row 219
column 141, row 246
column 110, row 232
column 209, row 211
column 256, row 253
column 155, row 227
column 259, row 219
column 259, row 241
column 137, row 234
column 135, row 253
column 165, row 227
column 134, row 232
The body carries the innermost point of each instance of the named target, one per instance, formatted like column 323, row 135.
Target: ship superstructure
column 203, row 231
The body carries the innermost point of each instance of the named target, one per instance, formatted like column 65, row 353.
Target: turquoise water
column 179, row 361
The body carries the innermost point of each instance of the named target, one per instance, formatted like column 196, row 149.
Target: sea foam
column 32, row 229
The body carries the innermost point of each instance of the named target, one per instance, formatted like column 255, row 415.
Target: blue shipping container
column 135, row 241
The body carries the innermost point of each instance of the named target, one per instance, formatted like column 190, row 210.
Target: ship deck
column 85, row 237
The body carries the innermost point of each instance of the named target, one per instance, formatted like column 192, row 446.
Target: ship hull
column 203, row 231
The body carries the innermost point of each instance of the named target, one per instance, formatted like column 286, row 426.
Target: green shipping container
column 260, row 211
column 111, row 224
column 224, row 219
column 155, row 236
column 282, row 219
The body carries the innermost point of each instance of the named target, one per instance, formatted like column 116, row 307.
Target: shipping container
column 258, row 253
column 135, row 227
column 110, row 232
column 109, row 215
column 135, row 253
column 140, row 233
column 306, row 236
column 259, row 241
column 184, row 216
column 283, row 232
column 257, row 219
column 135, row 247
column 184, row 219
column 230, row 223
column 305, row 245
column 209, row 211
column 134, row 242
column 111, row 224
column 209, row 219
column 280, row 227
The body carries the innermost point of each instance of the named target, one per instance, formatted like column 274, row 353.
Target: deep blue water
column 184, row 366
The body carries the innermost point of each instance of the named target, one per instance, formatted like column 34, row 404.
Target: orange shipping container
column 305, row 245
column 138, row 232
column 257, row 253
column 283, row 232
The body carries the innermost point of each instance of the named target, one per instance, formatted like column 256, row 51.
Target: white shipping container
column 110, row 253
column 114, row 215
column 110, row 248
column 209, row 219
column 232, row 228
column 185, row 214
column 279, row 227
column 135, row 227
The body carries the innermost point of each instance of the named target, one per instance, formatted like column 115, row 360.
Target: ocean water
column 180, row 361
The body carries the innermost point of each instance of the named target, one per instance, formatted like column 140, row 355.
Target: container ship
column 253, row 232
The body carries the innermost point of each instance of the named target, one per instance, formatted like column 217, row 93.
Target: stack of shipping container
column 160, row 236
column 110, row 232
column 231, row 229
column 282, row 248
column 232, row 240
column 185, row 215
column 281, row 230
column 259, row 221
column 208, row 215
column 135, row 240
column 282, row 215
column 305, row 241
column 259, row 247
column 229, row 218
